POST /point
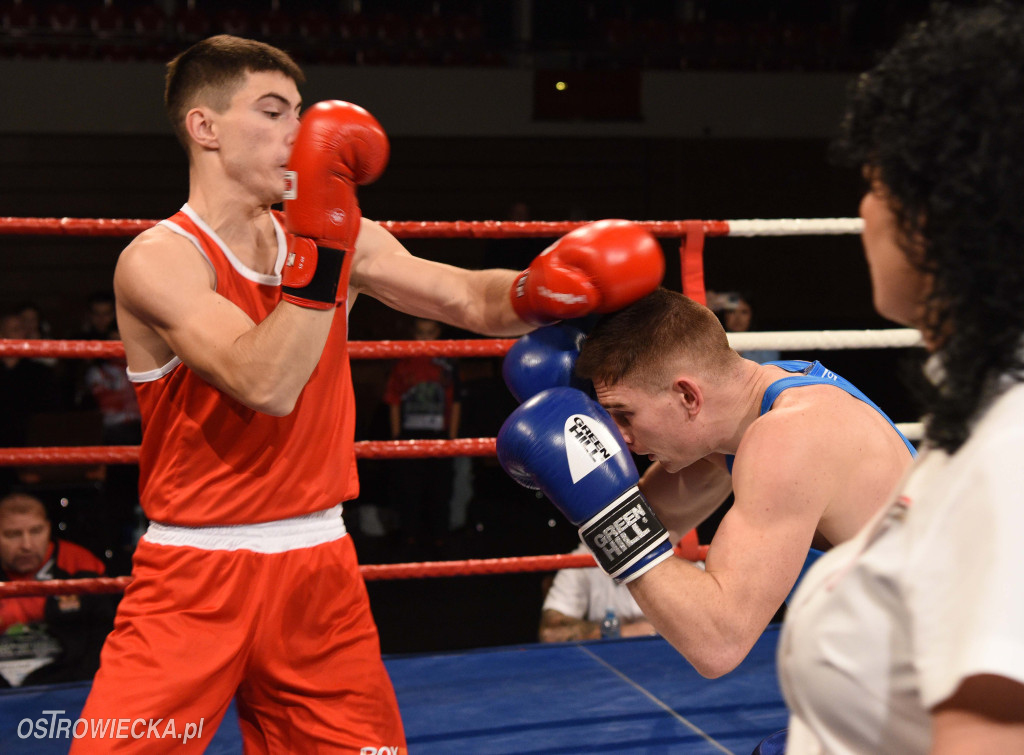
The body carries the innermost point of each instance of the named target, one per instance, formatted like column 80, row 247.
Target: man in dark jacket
column 50, row 639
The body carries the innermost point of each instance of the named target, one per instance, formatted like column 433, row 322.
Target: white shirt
column 931, row 592
column 589, row 593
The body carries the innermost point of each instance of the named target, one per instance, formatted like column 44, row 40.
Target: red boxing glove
column 311, row 274
column 338, row 146
column 599, row 267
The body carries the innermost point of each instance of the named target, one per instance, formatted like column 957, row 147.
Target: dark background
column 793, row 283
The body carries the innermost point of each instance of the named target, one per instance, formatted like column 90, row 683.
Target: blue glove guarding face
column 565, row 444
column 543, row 359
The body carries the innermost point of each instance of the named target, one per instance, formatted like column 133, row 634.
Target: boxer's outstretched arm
column 475, row 300
column 599, row 267
column 167, row 306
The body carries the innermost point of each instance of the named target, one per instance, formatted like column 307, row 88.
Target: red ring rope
column 479, row 347
column 409, row 229
column 417, row 570
column 406, row 449
column 365, row 449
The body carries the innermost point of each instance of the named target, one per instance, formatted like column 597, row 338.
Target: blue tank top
column 814, row 373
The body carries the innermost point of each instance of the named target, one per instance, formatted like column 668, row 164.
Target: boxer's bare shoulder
column 156, row 275
column 159, row 257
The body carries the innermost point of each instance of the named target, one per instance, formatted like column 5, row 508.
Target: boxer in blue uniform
column 815, row 373
column 809, row 466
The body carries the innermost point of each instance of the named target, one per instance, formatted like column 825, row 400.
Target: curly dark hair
column 940, row 122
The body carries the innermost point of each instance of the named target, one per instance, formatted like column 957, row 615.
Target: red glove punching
column 338, row 146
column 599, row 267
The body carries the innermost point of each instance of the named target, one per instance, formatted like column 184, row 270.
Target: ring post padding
column 691, row 261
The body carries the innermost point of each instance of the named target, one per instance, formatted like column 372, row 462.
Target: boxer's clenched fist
column 338, row 146
column 599, row 267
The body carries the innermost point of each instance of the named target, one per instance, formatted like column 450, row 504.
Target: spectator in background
column 37, row 328
column 578, row 601
column 51, row 639
column 735, row 313
column 109, row 389
column 27, row 387
column 99, row 318
column 103, row 384
column 106, row 386
column 424, row 400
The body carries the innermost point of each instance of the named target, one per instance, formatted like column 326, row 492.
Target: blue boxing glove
column 543, row 359
column 565, row 444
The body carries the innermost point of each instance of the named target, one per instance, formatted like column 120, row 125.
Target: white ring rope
column 821, row 339
column 796, row 340
column 795, row 227
column 913, row 430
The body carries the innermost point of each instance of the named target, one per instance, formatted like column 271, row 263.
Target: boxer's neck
column 245, row 226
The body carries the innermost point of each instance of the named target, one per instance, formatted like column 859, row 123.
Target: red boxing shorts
column 275, row 615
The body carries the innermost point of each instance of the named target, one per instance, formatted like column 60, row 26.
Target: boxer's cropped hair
column 652, row 339
column 939, row 123
column 211, row 71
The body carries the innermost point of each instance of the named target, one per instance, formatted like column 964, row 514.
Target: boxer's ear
column 689, row 393
column 201, row 127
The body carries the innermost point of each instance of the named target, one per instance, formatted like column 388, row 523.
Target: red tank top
column 207, row 459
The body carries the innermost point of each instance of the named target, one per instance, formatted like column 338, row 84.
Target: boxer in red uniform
column 234, row 320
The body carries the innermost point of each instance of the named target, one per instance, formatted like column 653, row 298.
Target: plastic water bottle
column 610, row 626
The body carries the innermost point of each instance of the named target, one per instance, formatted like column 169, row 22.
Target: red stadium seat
column 106, row 21
column 192, row 24
column 234, row 21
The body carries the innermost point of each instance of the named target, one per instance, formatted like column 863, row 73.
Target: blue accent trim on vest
column 814, row 373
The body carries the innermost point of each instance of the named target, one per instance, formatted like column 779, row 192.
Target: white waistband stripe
column 283, row 535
